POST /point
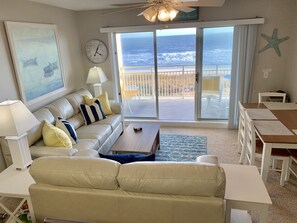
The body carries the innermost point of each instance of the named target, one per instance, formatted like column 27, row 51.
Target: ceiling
column 79, row 5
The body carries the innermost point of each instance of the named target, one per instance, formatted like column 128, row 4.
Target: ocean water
column 177, row 50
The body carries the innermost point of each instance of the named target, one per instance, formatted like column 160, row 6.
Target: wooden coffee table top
column 138, row 141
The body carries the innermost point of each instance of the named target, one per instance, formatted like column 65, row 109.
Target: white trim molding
column 203, row 24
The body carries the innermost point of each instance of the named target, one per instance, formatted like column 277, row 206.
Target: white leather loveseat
column 94, row 138
column 99, row 190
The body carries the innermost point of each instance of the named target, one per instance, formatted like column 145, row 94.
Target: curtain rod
column 202, row 24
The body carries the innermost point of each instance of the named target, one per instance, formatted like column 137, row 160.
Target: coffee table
column 146, row 141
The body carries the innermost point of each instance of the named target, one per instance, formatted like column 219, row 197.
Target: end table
column 15, row 184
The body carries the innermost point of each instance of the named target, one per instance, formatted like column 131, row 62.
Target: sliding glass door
column 136, row 63
column 176, row 74
column 176, row 59
column 215, row 78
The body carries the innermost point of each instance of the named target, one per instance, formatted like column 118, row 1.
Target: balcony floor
column 176, row 109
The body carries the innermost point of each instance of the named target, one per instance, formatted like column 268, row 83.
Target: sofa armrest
column 208, row 159
column 39, row 151
column 116, row 107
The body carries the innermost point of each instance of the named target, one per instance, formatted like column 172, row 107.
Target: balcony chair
column 264, row 96
column 128, row 93
column 254, row 148
column 211, row 87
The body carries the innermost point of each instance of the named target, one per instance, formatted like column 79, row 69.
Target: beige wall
column 66, row 21
column 279, row 14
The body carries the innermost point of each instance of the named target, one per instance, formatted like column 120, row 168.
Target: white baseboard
column 192, row 124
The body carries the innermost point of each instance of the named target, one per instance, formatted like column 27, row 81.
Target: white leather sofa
column 94, row 138
column 92, row 189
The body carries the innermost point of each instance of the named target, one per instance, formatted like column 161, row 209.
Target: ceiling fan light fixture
column 172, row 12
column 163, row 14
column 150, row 14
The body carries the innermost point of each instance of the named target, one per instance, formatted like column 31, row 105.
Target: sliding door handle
column 197, row 77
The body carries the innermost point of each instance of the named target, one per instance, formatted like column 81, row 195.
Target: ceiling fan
column 165, row 10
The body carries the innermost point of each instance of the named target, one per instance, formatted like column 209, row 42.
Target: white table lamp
column 96, row 77
column 15, row 121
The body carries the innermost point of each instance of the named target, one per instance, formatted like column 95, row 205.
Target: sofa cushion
column 35, row 133
column 80, row 172
column 67, row 128
column 53, row 136
column 189, row 179
column 76, row 99
column 92, row 113
column 87, row 144
column 39, row 151
column 129, row 157
column 103, row 98
column 99, row 132
column 113, row 120
column 77, row 120
column 61, row 108
column 87, row 153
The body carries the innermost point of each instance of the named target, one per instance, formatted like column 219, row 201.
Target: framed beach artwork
column 36, row 58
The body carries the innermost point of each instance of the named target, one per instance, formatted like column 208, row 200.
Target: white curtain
column 244, row 45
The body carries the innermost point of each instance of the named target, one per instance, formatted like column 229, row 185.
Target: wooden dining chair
column 263, row 96
column 241, row 133
column 293, row 158
column 254, row 148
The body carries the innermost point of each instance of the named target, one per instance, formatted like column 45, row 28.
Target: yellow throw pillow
column 103, row 98
column 53, row 136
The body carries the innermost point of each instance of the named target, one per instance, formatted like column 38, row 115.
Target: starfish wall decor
column 273, row 42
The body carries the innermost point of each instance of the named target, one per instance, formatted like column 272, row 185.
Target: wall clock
column 96, row 51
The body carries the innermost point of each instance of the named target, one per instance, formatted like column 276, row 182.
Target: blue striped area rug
column 181, row 147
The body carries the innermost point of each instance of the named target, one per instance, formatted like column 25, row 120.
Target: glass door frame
column 117, row 72
column 198, row 77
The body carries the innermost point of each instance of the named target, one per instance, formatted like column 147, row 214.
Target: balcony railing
column 174, row 81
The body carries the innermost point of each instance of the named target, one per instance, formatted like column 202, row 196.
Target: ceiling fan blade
column 202, row 3
column 184, row 9
column 128, row 5
column 122, row 10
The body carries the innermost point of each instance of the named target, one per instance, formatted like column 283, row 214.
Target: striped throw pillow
column 92, row 113
column 66, row 126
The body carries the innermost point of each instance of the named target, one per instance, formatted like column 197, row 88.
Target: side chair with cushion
column 254, row 148
column 265, row 95
column 241, row 132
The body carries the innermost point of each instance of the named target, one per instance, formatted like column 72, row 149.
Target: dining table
column 276, row 125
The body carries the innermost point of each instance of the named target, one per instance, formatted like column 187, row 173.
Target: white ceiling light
column 163, row 14
column 172, row 12
column 163, row 11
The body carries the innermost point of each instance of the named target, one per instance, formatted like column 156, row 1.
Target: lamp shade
column 96, row 76
column 15, row 118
